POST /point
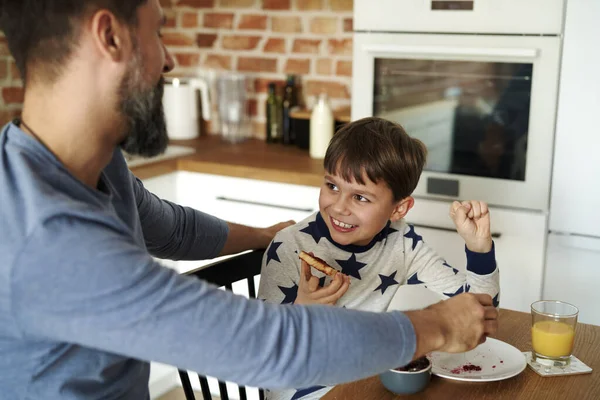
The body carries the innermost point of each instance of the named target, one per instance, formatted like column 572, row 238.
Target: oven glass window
column 472, row 116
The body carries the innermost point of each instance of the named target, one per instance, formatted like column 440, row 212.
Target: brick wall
column 11, row 99
column 264, row 39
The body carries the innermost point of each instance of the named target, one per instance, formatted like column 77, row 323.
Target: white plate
column 498, row 360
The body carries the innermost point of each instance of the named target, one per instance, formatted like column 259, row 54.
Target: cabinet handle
column 258, row 203
column 495, row 235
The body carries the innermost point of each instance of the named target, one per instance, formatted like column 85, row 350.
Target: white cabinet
column 519, row 247
column 575, row 182
column 572, row 274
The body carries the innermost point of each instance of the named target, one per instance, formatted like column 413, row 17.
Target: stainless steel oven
column 476, row 81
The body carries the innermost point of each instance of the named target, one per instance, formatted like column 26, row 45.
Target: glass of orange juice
column 553, row 332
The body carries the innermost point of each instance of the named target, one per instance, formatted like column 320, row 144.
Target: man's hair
column 382, row 150
column 45, row 32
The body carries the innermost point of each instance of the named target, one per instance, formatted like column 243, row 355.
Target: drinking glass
column 553, row 326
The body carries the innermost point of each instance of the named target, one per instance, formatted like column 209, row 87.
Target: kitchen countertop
column 253, row 159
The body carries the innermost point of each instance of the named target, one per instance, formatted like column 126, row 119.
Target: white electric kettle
column 180, row 103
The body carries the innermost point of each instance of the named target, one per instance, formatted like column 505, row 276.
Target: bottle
column 321, row 127
column 289, row 100
column 274, row 114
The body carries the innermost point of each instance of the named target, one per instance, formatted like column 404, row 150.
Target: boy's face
column 355, row 213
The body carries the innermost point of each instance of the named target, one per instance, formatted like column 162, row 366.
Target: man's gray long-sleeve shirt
column 84, row 306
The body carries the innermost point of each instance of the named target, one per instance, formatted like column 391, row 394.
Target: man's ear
column 402, row 208
column 111, row 36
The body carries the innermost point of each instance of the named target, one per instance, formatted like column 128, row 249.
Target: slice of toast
column 317, row 264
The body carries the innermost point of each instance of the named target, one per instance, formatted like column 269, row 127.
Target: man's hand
column 309, row 291
column 269, row 233
column 242, row 237
column 456, row 325
column 472, row 220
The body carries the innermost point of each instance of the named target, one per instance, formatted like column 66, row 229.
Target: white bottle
column 321, row 127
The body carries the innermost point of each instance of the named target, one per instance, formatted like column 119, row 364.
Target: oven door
column 484, row 105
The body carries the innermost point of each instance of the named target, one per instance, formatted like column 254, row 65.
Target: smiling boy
column 372, row 167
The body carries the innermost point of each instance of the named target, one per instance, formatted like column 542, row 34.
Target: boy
column 371, row 168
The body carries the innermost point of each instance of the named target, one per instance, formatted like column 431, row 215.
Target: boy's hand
column 309, row 291
column 472, row 220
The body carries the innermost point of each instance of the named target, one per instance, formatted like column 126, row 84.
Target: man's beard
column 143, row 109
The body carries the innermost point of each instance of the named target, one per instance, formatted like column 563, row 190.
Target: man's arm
column 183, row 233
column 242, row 237
column 107, row 293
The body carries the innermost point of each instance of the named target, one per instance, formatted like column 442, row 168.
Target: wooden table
column 514, row 328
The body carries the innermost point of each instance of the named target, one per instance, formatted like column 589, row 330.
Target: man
column 81, row 299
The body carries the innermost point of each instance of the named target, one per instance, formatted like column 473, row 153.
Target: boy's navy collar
column 323, row 231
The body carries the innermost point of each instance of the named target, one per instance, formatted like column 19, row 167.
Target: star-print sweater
column 397, row 256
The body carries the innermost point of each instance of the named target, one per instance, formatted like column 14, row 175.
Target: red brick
column 275, row 45
column 14, row 71
column 286, row 24
column 218, row 61
column 237, row 3
column 344, row 68
column 324, row 66
column 257, row 64
column 171, row 18
column 334, row 90
column 238, row 42
column 348, row 25
column 309, row 5
column 187, row 59
column 218, row 20
column 3, row 69
column 8, row 115
column 177, row 39
column 4, row 47
column 166, row 3
column 251, row 21
column 341, row 47
column 261, row 84
column 297, row 66
column 306, row 46
column 324, row 25
column 12, row 95
column 206, row 39
column 253, row 107
column 276, row 4
column 189, row 20
column 342, row 5
column 196, row 3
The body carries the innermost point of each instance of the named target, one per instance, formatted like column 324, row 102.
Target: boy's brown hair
column 380, row 148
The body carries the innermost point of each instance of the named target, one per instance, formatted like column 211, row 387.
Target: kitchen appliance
column 180, row 103
column 476, row 81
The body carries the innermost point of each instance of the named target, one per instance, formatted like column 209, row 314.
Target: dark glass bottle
column 274, row 111
column 289, row 101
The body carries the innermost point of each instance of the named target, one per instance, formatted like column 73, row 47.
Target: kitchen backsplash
column 11, row 100
column 264, row 39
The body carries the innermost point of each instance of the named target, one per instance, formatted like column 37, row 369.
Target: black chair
column 242, row 267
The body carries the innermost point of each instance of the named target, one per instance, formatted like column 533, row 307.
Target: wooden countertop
column 514, row 328
column 254, row 159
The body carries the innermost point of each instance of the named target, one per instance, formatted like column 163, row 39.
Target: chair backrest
column 224, row 273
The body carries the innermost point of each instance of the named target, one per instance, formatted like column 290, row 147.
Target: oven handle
column 453, row 51
column 495, row 235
